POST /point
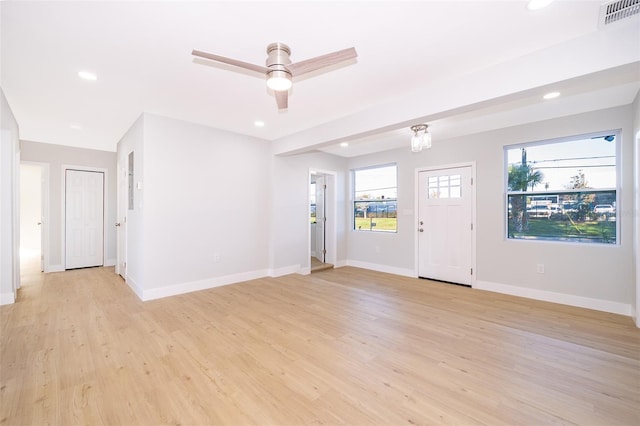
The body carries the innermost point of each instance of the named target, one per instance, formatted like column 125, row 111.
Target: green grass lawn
column 381, row 223
column 598, row 231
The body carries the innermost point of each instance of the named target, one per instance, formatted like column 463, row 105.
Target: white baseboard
column 7, row 298
column 135, row 287
column 110, row 262
column 550, row 296
column 286, row 270
column 53, row 268
column 340, row 264
column 173, row 290
column 381, row 268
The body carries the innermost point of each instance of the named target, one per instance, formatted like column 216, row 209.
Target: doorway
column 322, row 215
column 84, row 218
column 33, row 192
column 446, row 235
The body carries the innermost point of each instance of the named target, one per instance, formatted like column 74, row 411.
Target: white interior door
column 445, row 225
column 84, row 218
column 321, row 219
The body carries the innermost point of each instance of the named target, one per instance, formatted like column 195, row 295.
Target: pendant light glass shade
column 421, row 138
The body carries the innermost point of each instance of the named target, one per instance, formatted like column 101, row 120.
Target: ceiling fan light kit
column 279, row 70
column 279, row 80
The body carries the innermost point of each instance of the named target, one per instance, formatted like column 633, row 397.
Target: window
column 375, row 199
column 563, row 190
column 445, row 186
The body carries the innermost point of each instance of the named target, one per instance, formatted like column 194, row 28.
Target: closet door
column 84, row 218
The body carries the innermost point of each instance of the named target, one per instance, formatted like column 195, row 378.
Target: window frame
column 355, row 200
column 617, row 188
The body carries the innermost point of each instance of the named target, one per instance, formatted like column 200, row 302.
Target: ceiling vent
column 617, row 10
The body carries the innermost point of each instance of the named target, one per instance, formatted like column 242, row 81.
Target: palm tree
column 521, row 177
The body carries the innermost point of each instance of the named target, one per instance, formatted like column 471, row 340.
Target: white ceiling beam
column 507, row 81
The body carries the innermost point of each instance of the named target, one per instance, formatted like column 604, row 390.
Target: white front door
column 84, row 218
column 445, row 225
column 320, row 219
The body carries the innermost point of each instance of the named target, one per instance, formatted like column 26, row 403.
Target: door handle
column 39, row 223
column 117, row 223
column 420, row 229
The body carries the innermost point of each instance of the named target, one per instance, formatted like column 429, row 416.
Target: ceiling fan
column 279, row 70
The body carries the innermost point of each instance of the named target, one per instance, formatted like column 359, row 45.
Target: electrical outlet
column 540, row 268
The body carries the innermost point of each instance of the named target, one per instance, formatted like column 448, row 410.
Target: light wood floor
column 317, row 266
column 343, row 346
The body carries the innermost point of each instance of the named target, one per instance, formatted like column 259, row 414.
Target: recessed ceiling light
column 86, row 75
column 344, row 144
column 551, row 95
column 75, row 126
column 258, row 123
column 538, row 4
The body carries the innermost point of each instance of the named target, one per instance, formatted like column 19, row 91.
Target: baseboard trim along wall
column 286, row 270
column 174, row 290
column 382, row 268
column 135, row 287
column 110, row 262
column 53, row 268
column 564, row 299
column 7, row 298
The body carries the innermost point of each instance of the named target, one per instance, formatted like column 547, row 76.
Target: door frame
column 63, row 208
column 416, row 199
column 45, row 228
column 122, row 209
column 331, row 211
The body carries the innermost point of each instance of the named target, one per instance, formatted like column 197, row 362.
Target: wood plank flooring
column 342, row 346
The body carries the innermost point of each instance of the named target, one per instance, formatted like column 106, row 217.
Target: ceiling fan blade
column 318, row 62
column 282, row 98
column 230, row 61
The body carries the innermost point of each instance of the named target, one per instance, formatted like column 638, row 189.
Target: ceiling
column 460, row 66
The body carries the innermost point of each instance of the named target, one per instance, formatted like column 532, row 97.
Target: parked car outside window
column 539, row 211
column 603, row 208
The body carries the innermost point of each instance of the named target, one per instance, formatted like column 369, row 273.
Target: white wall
column 290, row 237
column 9, row 202
column 597, row 276
column 204, row 205
column 57, row 156
column 636, row 209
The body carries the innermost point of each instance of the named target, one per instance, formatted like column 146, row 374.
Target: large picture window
column 563, row 190
column 375, row 199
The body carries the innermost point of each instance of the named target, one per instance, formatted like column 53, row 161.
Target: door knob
column 117, row 223
column 421, row 223
column 421, row 230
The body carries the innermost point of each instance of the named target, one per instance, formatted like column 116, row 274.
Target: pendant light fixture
column 421, row 138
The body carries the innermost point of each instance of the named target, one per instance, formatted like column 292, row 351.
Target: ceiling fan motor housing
column 278, row 57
